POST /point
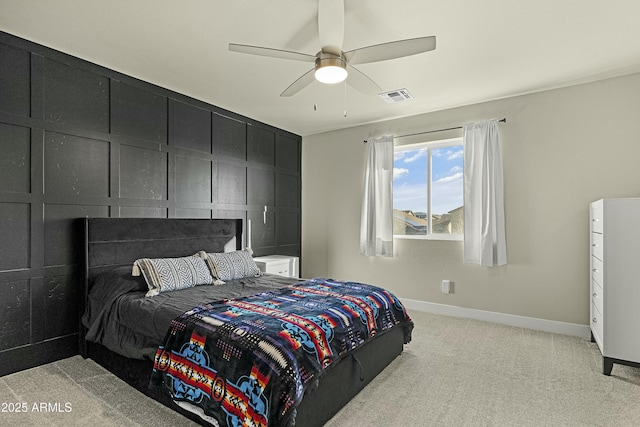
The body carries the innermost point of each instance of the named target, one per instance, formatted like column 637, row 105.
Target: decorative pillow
column 170, row 274
column 231, row 265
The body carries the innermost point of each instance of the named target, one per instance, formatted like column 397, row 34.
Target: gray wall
column 80, row 140
column 561, row 149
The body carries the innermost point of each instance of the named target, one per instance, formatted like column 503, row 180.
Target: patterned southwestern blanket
column 248, row 361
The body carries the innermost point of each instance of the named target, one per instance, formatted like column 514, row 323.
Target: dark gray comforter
column 121, row 318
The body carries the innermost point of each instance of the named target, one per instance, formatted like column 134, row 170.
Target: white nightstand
column 282, row 265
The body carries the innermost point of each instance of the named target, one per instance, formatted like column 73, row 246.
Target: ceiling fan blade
column 331, row 25
column 391, row 50
column 303, row 81
column 273, row 53
column 361, row 82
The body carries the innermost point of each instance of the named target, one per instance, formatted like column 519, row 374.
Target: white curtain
column 376, row 226
column 484, row 232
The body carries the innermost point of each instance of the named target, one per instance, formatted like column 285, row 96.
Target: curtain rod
column 503, row 120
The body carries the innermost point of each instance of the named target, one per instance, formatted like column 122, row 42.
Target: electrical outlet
column 446, row 286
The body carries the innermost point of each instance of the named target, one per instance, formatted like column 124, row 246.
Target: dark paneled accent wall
column 78, row 140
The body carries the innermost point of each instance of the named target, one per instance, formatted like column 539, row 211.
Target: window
column 428, row 190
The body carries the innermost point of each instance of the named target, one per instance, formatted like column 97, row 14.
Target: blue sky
column 410, row 179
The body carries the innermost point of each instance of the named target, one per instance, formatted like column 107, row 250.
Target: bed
column 111, row 247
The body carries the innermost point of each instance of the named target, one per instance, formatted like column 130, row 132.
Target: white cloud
column 397, row 155
column 398, row 172
column 455, row 169
column 456, row 177
column 452, row 155
column 420, row 153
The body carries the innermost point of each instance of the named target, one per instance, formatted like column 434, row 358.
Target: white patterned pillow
column 170, row 274
column 231, row 265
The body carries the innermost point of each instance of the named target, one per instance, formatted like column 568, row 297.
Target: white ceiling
column 486, row 50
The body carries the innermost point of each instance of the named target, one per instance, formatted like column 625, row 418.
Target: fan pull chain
column 345, row 98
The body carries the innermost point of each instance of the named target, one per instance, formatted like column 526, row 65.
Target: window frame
column 431, row 145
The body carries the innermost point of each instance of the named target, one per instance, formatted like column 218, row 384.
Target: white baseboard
column 505, row 319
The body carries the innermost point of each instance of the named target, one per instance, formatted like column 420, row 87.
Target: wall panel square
column 261, row 145
column 260, row 187
column 74, row 97
column 63, row 238
column 229, row 137
column 232, row 184
column 14, row 314
column 189, row 127
column 142, row 212
column 193, row 213
column 232, row 214
column 288, row 228
column 15, row 81
column 61, row 305
column 235, row 214
column 287, row 190
column 75, row 166
column 263, row 232
column 193, row 179
column 15, row 158
column 15, row 219
column 143, row 173
column 287, row 152
column 139, row 113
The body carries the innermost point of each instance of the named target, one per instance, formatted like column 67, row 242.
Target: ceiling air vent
column 394, row 96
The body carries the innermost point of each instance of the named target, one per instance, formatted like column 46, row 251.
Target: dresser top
column 268, row 258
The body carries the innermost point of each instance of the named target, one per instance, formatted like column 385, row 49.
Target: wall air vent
column 394, row 96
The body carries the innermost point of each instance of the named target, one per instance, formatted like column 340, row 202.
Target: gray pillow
column 170, row 274
column 231, row 265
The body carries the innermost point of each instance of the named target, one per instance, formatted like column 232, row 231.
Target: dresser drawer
column 280, row 268
column 597, row 245
column 597, row 217
column 597, row 296
column 597, row 325
column 597, row 271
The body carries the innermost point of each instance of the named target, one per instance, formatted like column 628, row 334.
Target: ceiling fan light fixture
column 330, row 69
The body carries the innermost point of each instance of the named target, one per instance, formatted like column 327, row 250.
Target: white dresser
column 615, row 280
column 283, row 265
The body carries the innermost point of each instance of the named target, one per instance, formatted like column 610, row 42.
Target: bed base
column 335, row 389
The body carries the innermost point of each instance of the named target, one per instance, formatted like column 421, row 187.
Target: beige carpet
column 455, row 372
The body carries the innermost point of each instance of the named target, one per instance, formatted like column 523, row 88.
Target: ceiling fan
column 332, row 65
